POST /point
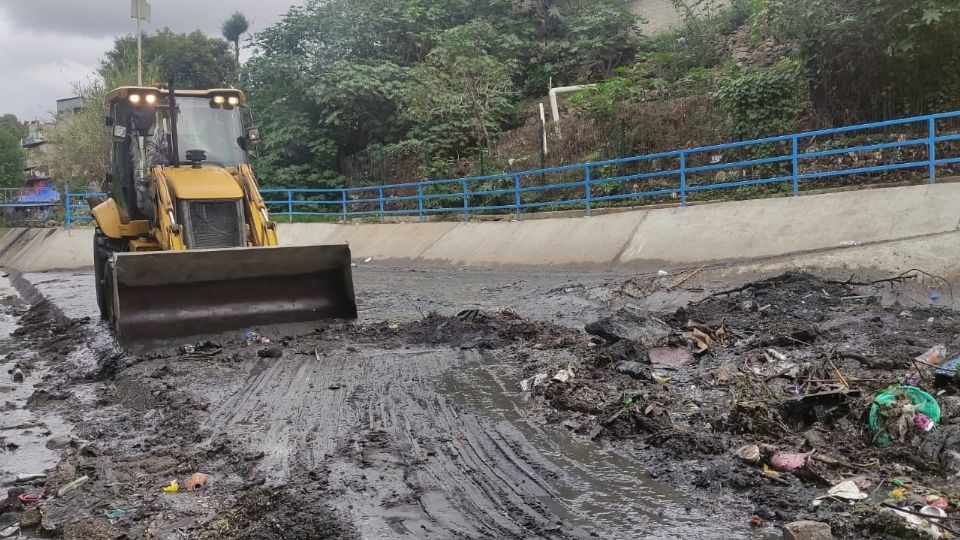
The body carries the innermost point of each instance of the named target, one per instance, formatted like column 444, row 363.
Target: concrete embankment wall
column 641, row 239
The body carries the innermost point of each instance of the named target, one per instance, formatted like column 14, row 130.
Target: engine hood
column 205, row 183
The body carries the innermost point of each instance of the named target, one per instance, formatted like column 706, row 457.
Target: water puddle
column 72, row 292
column 24, row 434
column 598, row 489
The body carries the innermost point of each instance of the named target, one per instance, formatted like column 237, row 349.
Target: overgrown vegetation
column 775, row 65
column 12, row 160
column 442, row 76
column 427, row 88
column 434, row 83
column 192, row 60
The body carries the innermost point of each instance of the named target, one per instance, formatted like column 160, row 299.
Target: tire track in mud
column 400, row 459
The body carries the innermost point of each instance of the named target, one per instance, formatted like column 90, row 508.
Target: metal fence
column 910, row 149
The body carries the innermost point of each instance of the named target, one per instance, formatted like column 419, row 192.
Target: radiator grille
column 213, row 224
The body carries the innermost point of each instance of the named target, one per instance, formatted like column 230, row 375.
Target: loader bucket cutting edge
column 168, row 294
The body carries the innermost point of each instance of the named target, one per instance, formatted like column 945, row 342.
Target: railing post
column 69, row 216
column 932, row 146
column 466, row 200
column 683, row 178
column 795, row 159
column 586, row 185
column 420, row 201
column 343, row 203
column 289, row 206
column 381, row 203
column 516, row 194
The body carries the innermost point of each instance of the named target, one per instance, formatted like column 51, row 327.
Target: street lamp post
column 140, row 10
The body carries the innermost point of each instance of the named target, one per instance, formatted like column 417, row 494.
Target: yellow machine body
column 188, row 249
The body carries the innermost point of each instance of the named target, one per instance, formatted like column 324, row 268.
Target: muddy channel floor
column 411, row 423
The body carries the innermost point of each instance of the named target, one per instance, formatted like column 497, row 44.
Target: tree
column 80, row 143
column 232, row 28
column 440, row 77
column 872, row 58
column 193, row 60
column 463, row 85
column 12, row 125
column 12, row 160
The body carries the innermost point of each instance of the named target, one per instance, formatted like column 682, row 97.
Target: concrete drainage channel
column 412, row 424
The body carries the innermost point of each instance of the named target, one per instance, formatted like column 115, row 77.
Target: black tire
column 100, row 256
column 103, row 250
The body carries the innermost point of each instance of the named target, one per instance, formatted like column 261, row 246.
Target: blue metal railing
column 77, row 209
column 917, row 144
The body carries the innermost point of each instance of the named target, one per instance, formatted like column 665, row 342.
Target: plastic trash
column 249, row 338
column 884, row 401
column 32, row 496
column 946, row 373
column 934, row 296
column 172, row 487
column 564, row 375
column 934, row 355
column 749, row 453
column 898, row 494
column 115, row 514
column 532, row 382
column 919, row 523
column 923, row 422
column 933, row 511
column 73, row 485
column 789, row 462
column 196, row 481
column 847, row 491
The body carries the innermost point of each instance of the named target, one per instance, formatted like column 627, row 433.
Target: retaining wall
column 641, row 239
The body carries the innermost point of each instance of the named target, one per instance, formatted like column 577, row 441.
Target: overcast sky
column 47, row 45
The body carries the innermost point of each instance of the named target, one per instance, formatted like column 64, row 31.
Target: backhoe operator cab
column 207, row 130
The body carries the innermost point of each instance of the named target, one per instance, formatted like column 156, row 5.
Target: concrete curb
column 641, row 240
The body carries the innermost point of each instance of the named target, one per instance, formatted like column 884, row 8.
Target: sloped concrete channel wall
column 641, row 239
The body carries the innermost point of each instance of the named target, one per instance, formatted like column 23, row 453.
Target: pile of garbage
column 809, row 396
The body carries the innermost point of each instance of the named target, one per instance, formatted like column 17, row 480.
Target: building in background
column 35, row 144
column 69, row 106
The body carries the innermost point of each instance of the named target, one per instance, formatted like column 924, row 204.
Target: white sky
column 48, row 45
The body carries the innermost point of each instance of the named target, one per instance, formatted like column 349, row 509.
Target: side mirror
column 253, row 135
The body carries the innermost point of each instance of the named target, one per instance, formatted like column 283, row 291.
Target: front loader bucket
column 167, row 294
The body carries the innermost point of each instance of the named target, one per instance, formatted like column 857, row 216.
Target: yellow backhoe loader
column 185, row 245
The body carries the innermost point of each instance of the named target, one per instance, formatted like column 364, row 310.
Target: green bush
column 764, row 102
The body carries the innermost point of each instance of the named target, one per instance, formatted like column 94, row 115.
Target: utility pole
column 140, row 10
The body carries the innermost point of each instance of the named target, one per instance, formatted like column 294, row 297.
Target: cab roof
column 124, row 91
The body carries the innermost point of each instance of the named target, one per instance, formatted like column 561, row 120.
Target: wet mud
column 412, row 423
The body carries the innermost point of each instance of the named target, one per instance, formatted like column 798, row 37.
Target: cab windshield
column 215, row 131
